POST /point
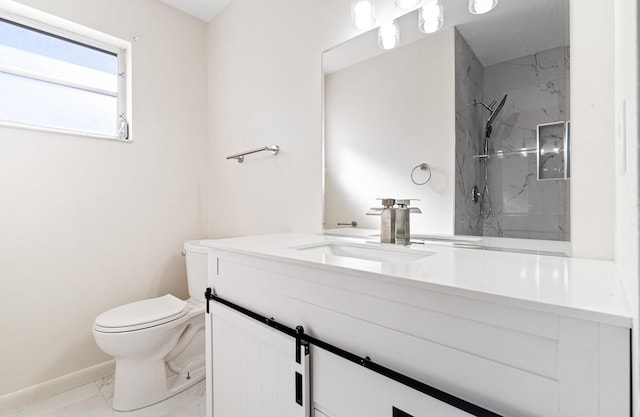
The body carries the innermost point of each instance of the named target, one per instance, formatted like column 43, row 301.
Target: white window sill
column 63, row 132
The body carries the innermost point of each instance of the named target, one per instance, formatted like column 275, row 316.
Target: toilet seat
column 141, row 314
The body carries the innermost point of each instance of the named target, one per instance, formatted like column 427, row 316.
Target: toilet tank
column 196, row 259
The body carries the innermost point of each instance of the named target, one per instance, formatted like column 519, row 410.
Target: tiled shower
column 525, row 199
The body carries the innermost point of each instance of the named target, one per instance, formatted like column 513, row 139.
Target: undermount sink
column 370, row 253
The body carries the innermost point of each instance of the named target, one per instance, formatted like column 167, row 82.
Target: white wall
column 383, row 117
column 265, row 88
column 626, row 123
column 87, row 224
column 592, row 129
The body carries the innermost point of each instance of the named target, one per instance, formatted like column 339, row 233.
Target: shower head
column 494, row 113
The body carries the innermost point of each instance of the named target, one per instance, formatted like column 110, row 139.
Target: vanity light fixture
column 431, row 17
column 407, row 4
column 388, row 35
column 363, row 14
column 482, row 6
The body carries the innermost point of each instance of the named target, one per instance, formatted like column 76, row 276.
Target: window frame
column 32, row 19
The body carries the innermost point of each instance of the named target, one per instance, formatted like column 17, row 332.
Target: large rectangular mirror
column 451, row 119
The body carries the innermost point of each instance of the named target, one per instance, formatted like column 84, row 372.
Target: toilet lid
column 143, row 314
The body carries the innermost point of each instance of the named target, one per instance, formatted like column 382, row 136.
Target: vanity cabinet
column 513, row 358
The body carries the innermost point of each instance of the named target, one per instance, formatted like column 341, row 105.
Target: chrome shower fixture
column 489, row 107
column 475, row 194
column 484, row 196
column 494, row 113
column 492, row 116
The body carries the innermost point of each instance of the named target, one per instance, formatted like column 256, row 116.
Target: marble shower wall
column 469, row 172
column 521, row 206
column 537, row 93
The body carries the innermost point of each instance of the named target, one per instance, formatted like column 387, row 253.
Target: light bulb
column 482, row 6
column 431, row 17
column 362, row 13
column 362, row 8
column 407, row 4
column 388, row 35
column 431, row 11
column 430, row 27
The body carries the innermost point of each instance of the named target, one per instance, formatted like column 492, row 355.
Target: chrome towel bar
column 274, row 149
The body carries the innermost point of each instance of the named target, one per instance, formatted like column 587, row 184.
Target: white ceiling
column 204, row 10
column 516, row 28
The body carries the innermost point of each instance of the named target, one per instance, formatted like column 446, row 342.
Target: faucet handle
column 387, row 202
column 414, row 210
column 406, row 201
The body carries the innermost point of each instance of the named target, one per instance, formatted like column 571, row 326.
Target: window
column 57, row 80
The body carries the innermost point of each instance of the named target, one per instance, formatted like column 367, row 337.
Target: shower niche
column 553, row 151
column 512, row 143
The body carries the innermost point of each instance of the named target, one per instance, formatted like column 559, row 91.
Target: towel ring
column 423, row 167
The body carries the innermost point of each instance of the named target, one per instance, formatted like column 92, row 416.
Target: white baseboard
column 34, row 393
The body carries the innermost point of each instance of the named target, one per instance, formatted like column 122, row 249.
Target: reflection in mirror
column 467, row 102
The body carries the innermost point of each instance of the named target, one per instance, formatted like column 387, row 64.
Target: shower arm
column 475, row 102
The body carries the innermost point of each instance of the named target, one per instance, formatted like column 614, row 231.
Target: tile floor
column 94, row 400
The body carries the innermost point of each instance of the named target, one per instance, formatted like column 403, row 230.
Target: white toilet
column 158, row 344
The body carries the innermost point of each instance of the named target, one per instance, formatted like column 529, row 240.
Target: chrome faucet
column 387, row 215
column 403, row 216
column 394, row 221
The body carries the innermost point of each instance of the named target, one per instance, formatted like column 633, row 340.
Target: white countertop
column 579, row 288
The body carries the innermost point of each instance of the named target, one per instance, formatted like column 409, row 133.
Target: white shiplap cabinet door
column 344, row 389
column 254, row 368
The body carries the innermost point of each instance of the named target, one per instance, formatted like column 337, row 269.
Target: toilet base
column 141, row 384
column 143, row 381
